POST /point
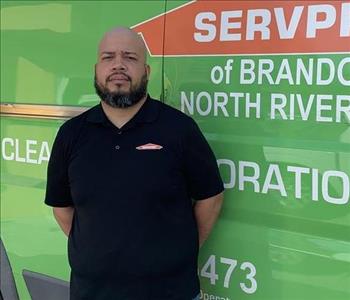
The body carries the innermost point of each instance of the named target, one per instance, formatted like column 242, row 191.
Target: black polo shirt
column 134, row 235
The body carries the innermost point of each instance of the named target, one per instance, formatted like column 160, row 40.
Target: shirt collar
column 147, row 113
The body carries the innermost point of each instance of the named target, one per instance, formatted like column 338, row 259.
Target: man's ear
column 148, row 71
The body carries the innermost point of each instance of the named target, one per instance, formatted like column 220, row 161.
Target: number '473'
column 209, row 271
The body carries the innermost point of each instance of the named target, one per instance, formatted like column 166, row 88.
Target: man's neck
column 120, row 116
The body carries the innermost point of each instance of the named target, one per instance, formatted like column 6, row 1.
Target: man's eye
column 131, row 57
column 106, row 57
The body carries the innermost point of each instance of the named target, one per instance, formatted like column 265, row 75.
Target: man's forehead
column 112, row 50
column 122, row 39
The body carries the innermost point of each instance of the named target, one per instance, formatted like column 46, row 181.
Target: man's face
column 121, row 73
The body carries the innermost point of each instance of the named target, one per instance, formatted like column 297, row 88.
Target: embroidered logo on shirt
column 149, row 146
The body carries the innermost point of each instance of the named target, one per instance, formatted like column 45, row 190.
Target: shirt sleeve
column 201, row 169
column 57, row 187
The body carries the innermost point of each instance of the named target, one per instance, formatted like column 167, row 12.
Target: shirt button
column 117, row 147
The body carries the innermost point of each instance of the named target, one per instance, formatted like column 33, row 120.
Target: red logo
column 149, row 146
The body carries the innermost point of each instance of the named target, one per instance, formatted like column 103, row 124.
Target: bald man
column 133, row 184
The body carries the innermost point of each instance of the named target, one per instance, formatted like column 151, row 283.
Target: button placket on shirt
column 119, row 133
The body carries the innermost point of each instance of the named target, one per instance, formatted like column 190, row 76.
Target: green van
column 268, row 82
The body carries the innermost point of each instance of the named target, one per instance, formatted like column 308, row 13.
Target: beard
column 122, row 99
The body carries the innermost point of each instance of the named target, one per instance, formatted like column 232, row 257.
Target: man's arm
column 64, row 217
column 206, row 212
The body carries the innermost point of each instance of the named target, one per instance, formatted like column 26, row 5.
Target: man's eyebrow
column 130, row 52
column 124, row 52
column 107, row 52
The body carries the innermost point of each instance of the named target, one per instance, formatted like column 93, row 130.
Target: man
column 121, row 180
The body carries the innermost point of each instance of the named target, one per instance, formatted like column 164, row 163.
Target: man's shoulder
column 172, row 115
column 74, row 124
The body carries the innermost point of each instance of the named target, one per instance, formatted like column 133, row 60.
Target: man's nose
column 118, row 63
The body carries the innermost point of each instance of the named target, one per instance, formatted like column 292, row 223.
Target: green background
column 299, row 247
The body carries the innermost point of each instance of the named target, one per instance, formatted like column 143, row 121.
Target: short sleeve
column 57, row 187
column 201, row 169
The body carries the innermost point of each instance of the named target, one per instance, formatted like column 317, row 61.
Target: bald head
column 121, row 71
column 125, row 39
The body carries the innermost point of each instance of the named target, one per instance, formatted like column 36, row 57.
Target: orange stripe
column 181, row 28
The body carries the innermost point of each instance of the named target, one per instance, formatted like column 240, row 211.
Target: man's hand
column 206, row 212
column 64, row 217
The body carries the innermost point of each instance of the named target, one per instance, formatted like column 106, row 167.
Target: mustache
column 118, row 73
